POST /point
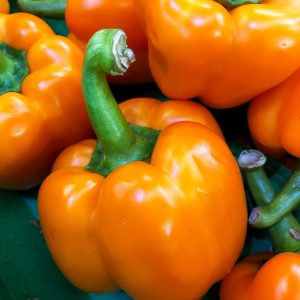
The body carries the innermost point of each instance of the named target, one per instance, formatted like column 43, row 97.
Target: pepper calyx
column 13, row 68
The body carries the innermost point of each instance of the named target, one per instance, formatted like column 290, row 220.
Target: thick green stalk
column 44, row 8
column 13, row 68
column 286, row 201
column 286, row 233
column 118, row 142
column 235, row 3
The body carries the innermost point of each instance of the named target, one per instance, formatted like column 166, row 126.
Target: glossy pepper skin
column 85, row 17
column 264, row 277
column 277, row 112
column 35, row 123
column 156, row 217
column 200, row 49
column 155, row 229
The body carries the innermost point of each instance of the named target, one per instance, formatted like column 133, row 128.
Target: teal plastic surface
column 27, row 271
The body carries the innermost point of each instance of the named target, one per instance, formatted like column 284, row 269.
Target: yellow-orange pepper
column 4, row 6
column 273, row 118
column 84, row 17
column 264, row 277
column 161, row 215
column 103, row 14
column 41, row 104
column 225, row 57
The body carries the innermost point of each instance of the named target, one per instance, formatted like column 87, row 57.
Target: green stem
column 13, row 68
column 286, row 233
column 118, row 142
column 285, row 202
column 230, row 4
column 46, row 9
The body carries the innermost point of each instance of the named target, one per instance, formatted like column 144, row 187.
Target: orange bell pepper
column 159, row 214
column 84, row 17
column 41, row 104
column 264, row 277
column 112, row 14
column 277, row 112
column 4, row 6
column 226, row 57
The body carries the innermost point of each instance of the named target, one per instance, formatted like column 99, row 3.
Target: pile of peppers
column 146, row 196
